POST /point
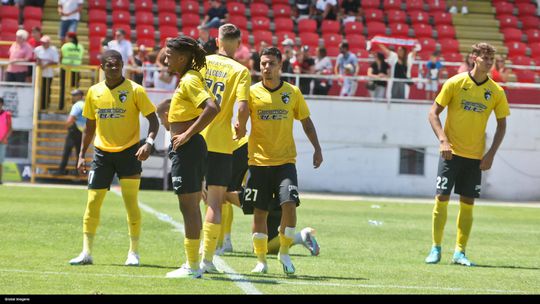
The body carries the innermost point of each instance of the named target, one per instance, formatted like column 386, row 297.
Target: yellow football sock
column 130, row 192
column 260, row 246
column 440, row 213
column 464, row 225
column 88, row 242
column 192, row 252
column 93, row 208
column 226, row 222
column 211, row 234
column 273, row 245
column 284, row 243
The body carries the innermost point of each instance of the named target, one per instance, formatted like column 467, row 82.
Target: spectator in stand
column 433, row 71
column 69, row 11
column 243, row 55
column 288, row 59
column 35, row 37
column 304, row 65
column 325, row 10
column 303, row 9
column 72, row 53
column 464, row 10
column 216, row 16
column 46, row 56
column 137, row 73
column 160, row 59
column 206, row 41
column 149, row 68
column 124, row 47
column 20, row 51
column 346, row 66
column 5, row 132
column 467, row 65
column 255, row 62
column 500, row 73
column 349, row 11
column 379, row 70
column 75, row 124
column 163, row 80
column 400, row 64
column 323, row 66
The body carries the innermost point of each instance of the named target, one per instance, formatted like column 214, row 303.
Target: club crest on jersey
column 487, row 94
column 285, row 97
column 122, row 96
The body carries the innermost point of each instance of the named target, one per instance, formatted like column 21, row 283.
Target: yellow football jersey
column 469, row 106
column 189, row 95
column 273, row 112
column 229, row 81
column 239, row 142
column 116, row 112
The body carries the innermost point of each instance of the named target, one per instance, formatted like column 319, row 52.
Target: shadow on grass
column 267, row 278
column 145, row 266
column 507, row 267
column 245, row 254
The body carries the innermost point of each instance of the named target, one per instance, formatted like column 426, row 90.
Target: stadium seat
column 311, row 39
column 94, row 57
column 284, row 35
column 418, row 17
column 512, row 34
column 440, row 18
column 145, row 31
column 449, row 45
column 144, row 18
column 452, row 56
column 307, row 26
column 356, row 41
column 392, row 4
column 265, row 36
column 29, row 24
column 166, row 32
column 424, row 54
column 97, row 29
column 32, row 12
column 507, row 21
column 375, row 28
column 94, row 44
column 330, row 26
column 521, row 60
column 371, row 4
column 98, row 16
column 239, row 21
column 167, row 19
column 533, row 35
column 525, row 76
column 526, row 9
column 214, row 32
column 451, row 70
column 415, row 5
column 286, row 2
column 373, row 15
column 535, row 50
column 260, row 23
column 8, row 36
column 332, row 51
column 122, row 5
column 503, row 8
column 283, row 25
column 149, row 43
column 259, row 10
column 236, row 8
column 445, row 31
column 530, row 22
column 99, row 4
column 363, row 66
column 436, row 6
column 399, row 30
column 143, row 5
column 516, row 49
column 428, row 44
column 168, row 6
column 282, row 10
column 422, row 30
column 396, row 16
column 125, row 27
column 332, row 39
column 190, row 6
column 191, row 31
column 362, row 53
column 118, row 17
column 190, row 20
column 9, row 11
column 354, row 28
column 9, row 25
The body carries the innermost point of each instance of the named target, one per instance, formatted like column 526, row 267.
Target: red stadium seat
column 396, row 16
column 284, row 35
column 445, row 31
column 99, row 4
column 260, row 23
column 512, row 34
column 370, row 4
column 122, row 5
column 259, row 9
column 521, row 60
column 354, row 28
column 415, row 5
column 118, row 17
column 29, row 24
column 98, row 16
column 32, row 12
column 449, row 45
column 143, row 5
column 147, row 42
column 422, row 30
column 451, row 70
column 239, row 21
column 436, row 5
column 166, row 32
column 503, row 8
column 168, row 6
column 9, row 11
column 362, row 53
column 125, row 27
column 535, row 50
column 265, row 36
column 236, row 8
column 283, row 25
column 440, row 18
column 332, row 39
column 311, row 39
column 330, row 26
column 307, row 26
column 452, row 56
column 525, row 76
column 190, row 20
column 190, row 6
column 516, row 49
column 214, row 32
column 399, row 30
column 508, row 21
column 167, row 19
column 282, row 10
column 94, row 44
column 392, row 4
column 373, row 15
column 530, row 22
column 9, row 25
column 419, row 17
column 286, row 2
column 190, row 31
column 97, row 29
column 375, row 28
column 95, row 57
column 145, row 31
column 526, row 9
column 424, row 54
column 533, row 35
column 144, row 18
column 332, row 51
column 8, row 36
column 356, row 41
column 363, row 66
column 428, row 44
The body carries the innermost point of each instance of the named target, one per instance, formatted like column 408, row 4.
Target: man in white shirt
column 46, row 56
column 124, row 47
column 69, row 11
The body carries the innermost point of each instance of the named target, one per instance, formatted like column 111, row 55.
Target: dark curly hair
column 186, row 44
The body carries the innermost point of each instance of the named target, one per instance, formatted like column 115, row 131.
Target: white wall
column 361, row 142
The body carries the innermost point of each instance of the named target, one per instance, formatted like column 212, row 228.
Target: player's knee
column 466, row 200
column 442, row 197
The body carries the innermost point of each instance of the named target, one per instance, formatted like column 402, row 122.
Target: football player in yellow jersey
column 229, row 81
column 274, row 105
column 112, row 110
column 192, row 108
column 470, row 97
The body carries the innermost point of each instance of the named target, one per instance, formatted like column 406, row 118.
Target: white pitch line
column 295, row 282
column 238, row 279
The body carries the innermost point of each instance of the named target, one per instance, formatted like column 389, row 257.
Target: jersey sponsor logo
column 285, row 97
column 111, row 113
column 122, row 95
column 478, row 188
column 487, row 94
column 272, row 114
column 473, row 106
